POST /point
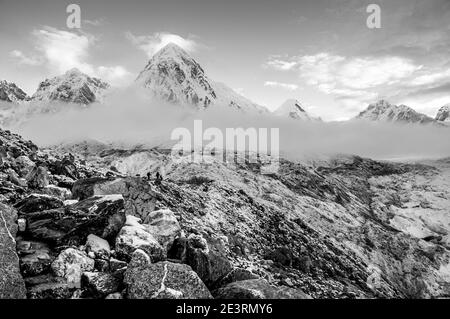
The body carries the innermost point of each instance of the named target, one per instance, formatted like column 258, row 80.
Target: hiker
column 158, row 178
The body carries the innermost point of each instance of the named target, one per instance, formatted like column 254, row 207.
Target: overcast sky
column 319, row 52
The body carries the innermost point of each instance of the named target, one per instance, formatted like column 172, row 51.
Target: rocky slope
column 10, row 92
column 345, row 228
column 172, row 75
column 443, row 114
column 295, row 110
column 73, row 86
column 383, row 111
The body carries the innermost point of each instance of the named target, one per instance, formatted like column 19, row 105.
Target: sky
column 320, row 52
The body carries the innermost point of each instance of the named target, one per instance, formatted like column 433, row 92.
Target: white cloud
column 282, row 65
column 151, row 44
column 62, row 50
column 25, row 59
column 286, row 86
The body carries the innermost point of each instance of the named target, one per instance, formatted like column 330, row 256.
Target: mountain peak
column 73, row 86
column 383, row 111
column 294, row 109
column 10, row 92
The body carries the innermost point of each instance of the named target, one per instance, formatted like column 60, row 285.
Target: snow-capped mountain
column 73, row 86
column 443, row 114
column 173, row 75
column 10, row 92
column 294, row 109
column 383, row 111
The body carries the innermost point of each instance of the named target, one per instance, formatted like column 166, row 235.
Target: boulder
column 38, row 177
column 208, row 261
column 15, row 179
column 38, row 202
column 84, row 188
column 98, row 246
column 48, row 287
column 164, row 227
column 257, row 289
column 116, row 295
column 102, row 216
column 35, row 257
column 60, row 192
column 100, row 284
column 12, row 285
column 237, row 274
column 135, row 236
column 139, row 198
column 24, row 165
column 165, row 280
column 71, row 264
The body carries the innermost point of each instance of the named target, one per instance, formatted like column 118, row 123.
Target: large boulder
column 257, row 289
column 135, row 236
column 164, row 226
column 100, row 284
column 49, row 287
column 84, row 188
column 165, row 280
column 38, row 202
column 38, row 177
column 12, row 285
column 102, row 216
column 140, row 199
column 208, row 260
column 35, row 257
column 98, row 246
column 71, row 264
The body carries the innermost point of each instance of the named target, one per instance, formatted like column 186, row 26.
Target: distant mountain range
column 173, row 75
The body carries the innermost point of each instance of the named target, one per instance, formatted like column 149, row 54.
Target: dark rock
column 207, row 260
column 102, row 216
column 100, row 284
column 48, row 287
column 165, row 280
column 84, row 188
column 35, row 257
column 257, row 289
column 102, row 265
column 11, row 282
column 38, row 202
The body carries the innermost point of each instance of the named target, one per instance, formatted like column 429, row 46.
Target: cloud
column 24, row 59
column 281, row 65
column 62, row 50
column 151, row 44
column 286, row 86
column 95, row 22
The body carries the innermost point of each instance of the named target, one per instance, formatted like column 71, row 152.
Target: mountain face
column 10, row 92
column 383, row 111
column 73, row 86
column 443, row 114
column 293, row 109
column 174, row 76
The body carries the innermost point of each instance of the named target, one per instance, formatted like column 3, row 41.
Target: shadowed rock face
column 10, row 92
column 11, row 283
column 443, row 114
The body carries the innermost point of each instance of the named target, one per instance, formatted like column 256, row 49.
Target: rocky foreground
column 74, row 226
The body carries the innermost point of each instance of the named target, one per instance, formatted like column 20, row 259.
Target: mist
column 128, row 118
